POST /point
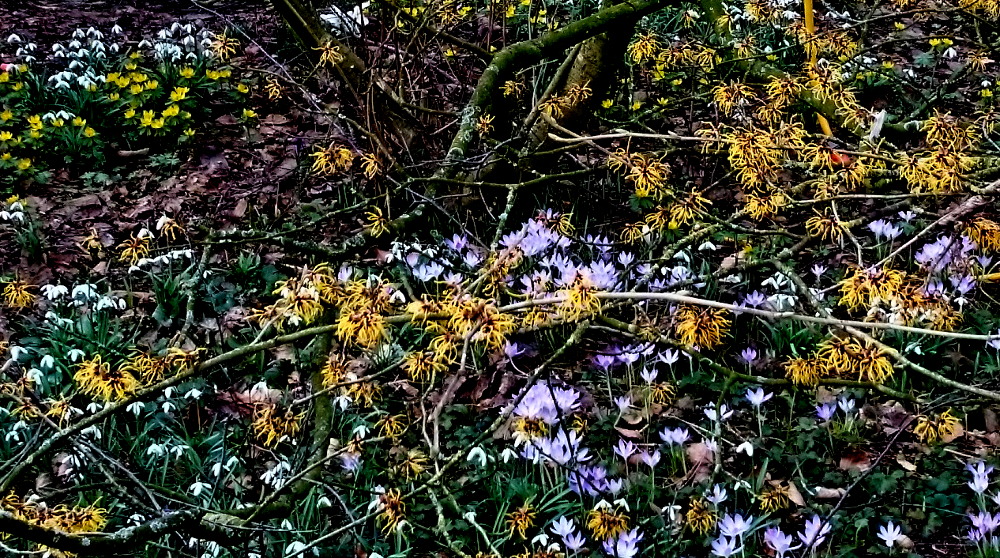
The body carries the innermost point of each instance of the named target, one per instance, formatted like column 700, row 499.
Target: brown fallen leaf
column 856, row 459
column 701, row 458
column 905, row 464
column 794, row 495
column 823, row 493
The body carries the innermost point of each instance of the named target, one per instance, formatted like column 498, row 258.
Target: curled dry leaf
column 701, row 459
column 823, row 493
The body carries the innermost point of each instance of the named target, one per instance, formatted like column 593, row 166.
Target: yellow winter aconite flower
column 179, row 94
column 701, row 327
column 17, row 294
column 187, row 72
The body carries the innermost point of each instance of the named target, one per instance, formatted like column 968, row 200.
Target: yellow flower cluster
column 702, row 327
column 648, row 173
column 300, row 299
column 606, row 522
column 97, row 379
column 17, row 294
column 61, row 518
column 930, row 430
column 332, row 159
column 865, row 287
column 273, row 425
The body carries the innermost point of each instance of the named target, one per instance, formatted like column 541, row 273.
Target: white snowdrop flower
column 13, row 39
column 707, row 245
column 95, row 33
column 295, row 547
column 156, row 449
column 94, row 406
column 75, row 64
column 117, row 30
column 206, row 42
column 136, row 408
column 15, row 352
column 82, row 53
column 105, row 302
column 360, row 431
column 343, row 402
column 145, row 233
column 233, row 461
column 541, row 539
column 134, row 269
column 12, row 435
column 75, row 45
column 145, row 44
column 47, row 362
column 745, row 447
column 93, row 432
column 34, row 375
column 507, row 455
column 191, row 56
column 87, row 292
column 79, row 33
column 114, row 47
column 4, row 215
column 136, row 518
column 324, row 502
column 60, row 54
column 198, row 487
column 216, row 469
column 19, row 216
column 53, row 292
column 193, row 394
column 168, row 407
column 55, row 320
column 178, row 450
column 63, row 85
column 163, row 34
column 167, row 393
column 477, row 454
